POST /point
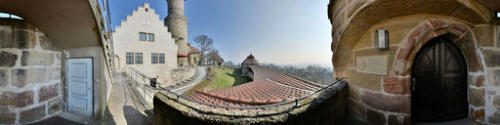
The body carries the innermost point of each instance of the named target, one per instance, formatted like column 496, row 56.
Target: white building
column 144, row 43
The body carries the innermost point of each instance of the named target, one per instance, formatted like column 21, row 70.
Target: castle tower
column 177, row 25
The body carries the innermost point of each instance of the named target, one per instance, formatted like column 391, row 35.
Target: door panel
column 440, row 86
column 80, row 83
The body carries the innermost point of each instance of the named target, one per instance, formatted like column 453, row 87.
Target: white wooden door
column 79, row 76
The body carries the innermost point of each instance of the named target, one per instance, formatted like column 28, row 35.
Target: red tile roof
column 274, row 88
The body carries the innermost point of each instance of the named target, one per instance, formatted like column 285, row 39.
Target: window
column 138, row 58
column 9, row 16
column 162, row 59
column 130, row 58
column 142, row 36
column 151, row 37
column 154, row 58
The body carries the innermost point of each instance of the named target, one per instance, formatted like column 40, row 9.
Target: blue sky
column 287, row 32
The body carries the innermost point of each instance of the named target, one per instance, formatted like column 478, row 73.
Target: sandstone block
column 477, row 115
column 356, row 109
column 495, row 117
column 397, row 85
column 22, row 77
column 392, row 103
column 478, row 81
column 7, row 118
column 496, row 101
column 17, row 99
column 25, row 39
column 32, row 114
column 375, row 117
column 54, row 73
column 46, row 44
column 48, row 92
column 37, row 58
column 55, row 106
column 399, row 120
column 7, row 59
column 365, row 80
column 476, row 97
column 494, row 77
column 6, row 37
column 484, row 35
column 491, row 58
column 3, row 77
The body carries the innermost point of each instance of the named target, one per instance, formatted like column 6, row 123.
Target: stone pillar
column 177, row 25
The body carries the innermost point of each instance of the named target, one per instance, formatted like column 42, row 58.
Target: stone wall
column 30, row 74
column 379, row 80
column 323, row 108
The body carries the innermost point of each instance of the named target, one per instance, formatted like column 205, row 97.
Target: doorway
column 80, row 86
column 439, row 82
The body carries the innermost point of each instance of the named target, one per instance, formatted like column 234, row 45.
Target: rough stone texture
column 364, row 80
column 476, row 97
column 4, row 77
column 496, row 101
column 495, row 117
column 25, row 39
column 54, row 73
column 356, row 109
column 478, row 81
column 6, row 37
column 46, row 44
column 477, row 114
column 32, row 114
column 7, row 118
column 48, row 92
column 37, row 58
column 21, row 77
column 491, row 57
column 399, row 120
column 7, row 59
column 397, row 85
column 17, row 99
column 494, row 78
column 354, row 92
column 375, row 117
column 55, row 106
column 392, row 103
column 484, row 35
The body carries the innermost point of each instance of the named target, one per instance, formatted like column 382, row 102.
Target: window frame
column 161, row 58
column 154, row 58
column 139, row 59
column 129, row 61
column 145, row 36
column 150, row 39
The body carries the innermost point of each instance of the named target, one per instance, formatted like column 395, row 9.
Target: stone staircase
column 185, row 82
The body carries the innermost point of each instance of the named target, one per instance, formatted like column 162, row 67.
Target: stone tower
column 177, row 25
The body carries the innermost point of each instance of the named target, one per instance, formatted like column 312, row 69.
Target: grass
column 219, row 78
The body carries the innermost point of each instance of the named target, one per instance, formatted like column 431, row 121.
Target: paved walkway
column 200, row 77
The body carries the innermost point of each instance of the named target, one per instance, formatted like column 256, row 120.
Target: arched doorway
column 439, row 82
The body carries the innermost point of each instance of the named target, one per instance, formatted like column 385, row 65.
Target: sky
column 284, row 32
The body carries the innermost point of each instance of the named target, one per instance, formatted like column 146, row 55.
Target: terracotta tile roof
column 275, row 88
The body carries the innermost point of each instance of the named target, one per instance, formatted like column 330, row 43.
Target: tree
column 205, row 44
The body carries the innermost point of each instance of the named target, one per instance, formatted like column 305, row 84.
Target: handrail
column 253, row 107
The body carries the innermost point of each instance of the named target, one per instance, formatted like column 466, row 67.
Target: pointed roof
column 250, row 60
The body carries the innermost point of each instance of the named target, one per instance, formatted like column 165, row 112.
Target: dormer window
column 146, row 36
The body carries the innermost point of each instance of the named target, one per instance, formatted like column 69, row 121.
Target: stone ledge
column 391, row 103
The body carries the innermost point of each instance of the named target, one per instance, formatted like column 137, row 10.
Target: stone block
column 46, row 44
column 476, row 96
column 7, row 59
column 477, row 115
column 375, row 117
column 356, row 109
column 33, row 114
column 25, row 39
column 54, row 73
column 484, row 35
column 399, row 120
column 495, row 117
column 392, row 103
column 6, row 37
column 22, row 77
column 48, row 92
column 477, row 81
column 364, row 80
column 55, row 106
column 4, row 77
column 397, row 85
column 494, row 77
column 7, row 118
column 372, row 64
column 354, row 92
column 17, row 99
column 496, row 101
column 37, row 58
column 491, row 58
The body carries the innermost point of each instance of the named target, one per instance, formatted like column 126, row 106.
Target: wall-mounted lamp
column 381, row 39
column 498, row 14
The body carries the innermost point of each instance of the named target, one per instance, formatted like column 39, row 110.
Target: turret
column 177, row 25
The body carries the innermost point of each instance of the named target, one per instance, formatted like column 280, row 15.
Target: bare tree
column 205, row 44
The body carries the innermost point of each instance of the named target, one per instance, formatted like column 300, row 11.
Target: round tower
column 177, row 25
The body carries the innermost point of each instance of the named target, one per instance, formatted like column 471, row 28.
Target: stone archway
column 399, row 79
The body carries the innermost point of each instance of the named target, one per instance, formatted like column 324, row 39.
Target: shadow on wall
column 135, row 117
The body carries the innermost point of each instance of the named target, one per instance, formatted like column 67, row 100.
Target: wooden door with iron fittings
column 439, row 82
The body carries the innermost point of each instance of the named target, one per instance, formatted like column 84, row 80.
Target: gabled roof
column 250, row 60
column 268, row 89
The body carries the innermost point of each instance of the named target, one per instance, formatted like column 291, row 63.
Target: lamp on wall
column 381, row 39
column 497, row 14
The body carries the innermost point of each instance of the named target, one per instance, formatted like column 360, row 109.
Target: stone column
column 177, row 25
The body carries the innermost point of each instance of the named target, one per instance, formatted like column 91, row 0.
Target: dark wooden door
column 439, row 82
